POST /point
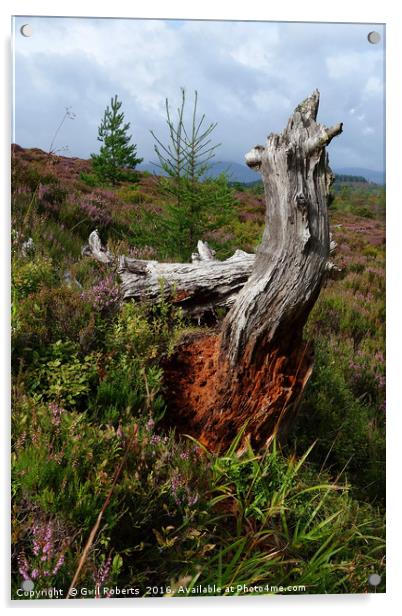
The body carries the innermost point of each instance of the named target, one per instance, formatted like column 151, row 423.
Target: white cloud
column 267, row 100
column 374, row 87
column 350, row 65
column 368, row 130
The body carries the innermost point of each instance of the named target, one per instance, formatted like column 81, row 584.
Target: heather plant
column 41, row 559
column 49, row 315
column 61, row 463
column 30, row 275
column 349, row 429
column 97, row 206
column 132, row 377
column 103, row 296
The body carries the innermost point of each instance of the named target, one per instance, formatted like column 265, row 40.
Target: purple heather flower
column 59, row 564
column 103, row 295
column 57, row 412
column 42, row 190
column 150, row 424
column 23, row 566
column 103, row 572
column 192, row 500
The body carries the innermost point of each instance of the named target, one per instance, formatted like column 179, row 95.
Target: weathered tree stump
column 254, row 371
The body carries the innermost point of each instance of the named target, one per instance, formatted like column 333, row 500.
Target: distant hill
column 378, row 177
column 354, row 179
column 235, row 171
column 241, row 173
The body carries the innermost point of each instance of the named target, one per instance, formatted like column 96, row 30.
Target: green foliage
column 60, row 374
column 89, row 178
column 339, row 411
column 340, row 178
column 196, row 204
column 175, row 232
column 61, row 462
column 359, row 198
column 283, row 526
column 28, row 276
column 116, row 153
column 87, row 383
column 132, row 377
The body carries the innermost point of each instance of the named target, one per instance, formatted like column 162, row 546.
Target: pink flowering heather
column 59, row 564
column 23, row 566
column 42, row 190
column 96, row 206
column 47, row 552
column 102, row 574
column 156, row 439
column 150, row 424
column 181, row 492
column 57, row 412
column 103, row 295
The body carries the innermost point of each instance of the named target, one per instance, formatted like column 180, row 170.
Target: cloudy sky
column 249, row 77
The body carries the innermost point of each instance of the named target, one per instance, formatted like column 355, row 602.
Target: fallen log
column 197, row 287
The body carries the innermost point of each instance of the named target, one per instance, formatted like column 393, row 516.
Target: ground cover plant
column 307, row 514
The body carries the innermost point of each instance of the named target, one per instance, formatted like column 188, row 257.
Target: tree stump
column 253, row 372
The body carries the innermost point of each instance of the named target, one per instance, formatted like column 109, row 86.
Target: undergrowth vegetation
column 87, row 386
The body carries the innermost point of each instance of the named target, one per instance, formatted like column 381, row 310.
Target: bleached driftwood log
column 198, row 287
column 95, row 249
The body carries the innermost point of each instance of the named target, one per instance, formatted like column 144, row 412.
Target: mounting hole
column 26, row 30
column 374, row 37
column 374, row 579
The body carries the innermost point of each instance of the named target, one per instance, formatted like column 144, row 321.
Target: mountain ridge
column 241, row 173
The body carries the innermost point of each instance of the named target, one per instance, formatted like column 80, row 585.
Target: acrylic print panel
column 198, row 308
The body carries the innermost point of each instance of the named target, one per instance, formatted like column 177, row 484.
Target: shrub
column 59, row 374
column 49, row 315
column 28, row 276
column 89, row 179
column 103, row 296
column 132, row 377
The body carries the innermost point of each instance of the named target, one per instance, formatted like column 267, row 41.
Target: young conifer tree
column 116, row 154
column 197, row 203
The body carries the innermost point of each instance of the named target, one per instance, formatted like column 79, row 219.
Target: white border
column 386, row 11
